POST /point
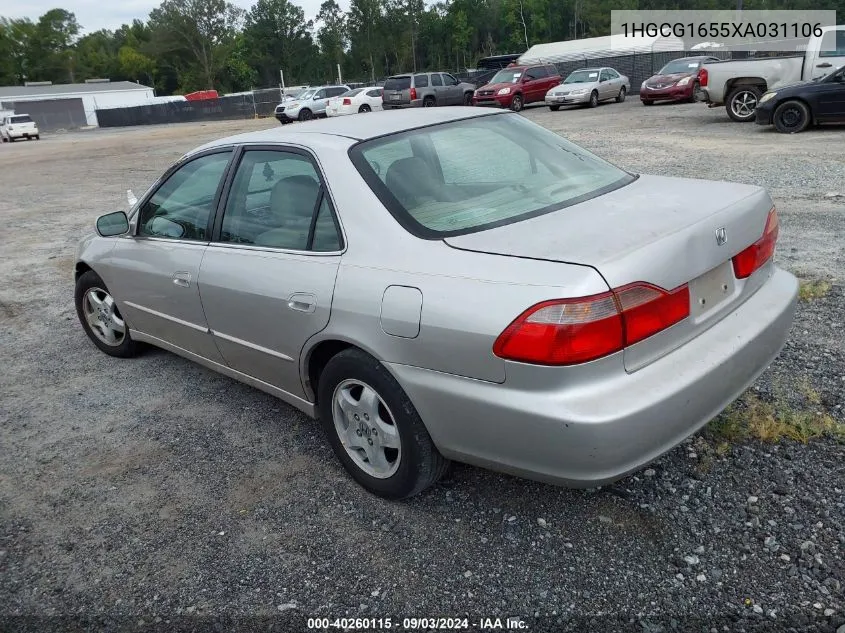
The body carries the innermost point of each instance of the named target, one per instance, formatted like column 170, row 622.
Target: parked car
column 291, row 93
column 309, row 104
column 739, row 84
column 358, row 100
column 342, row 270
column 516, row 86
column 17, row 126
column 589, row 86
column 426, row 90
column 793, row 108
column 678, row 80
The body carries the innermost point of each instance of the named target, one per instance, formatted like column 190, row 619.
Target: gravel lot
column 154, row 494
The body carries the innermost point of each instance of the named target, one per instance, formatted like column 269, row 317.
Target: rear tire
column 742, row 103
column 37, row 137
column 354, row 386
column 305, row 115
column 467, row 98
column 621, row 96
column 429, row 102
column 697, row 93
column 554, row 108
column 95, row 305
column 516, row 103
column 364, row 109
column 791, row 117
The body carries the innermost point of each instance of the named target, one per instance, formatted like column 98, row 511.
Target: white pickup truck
column 738, row 84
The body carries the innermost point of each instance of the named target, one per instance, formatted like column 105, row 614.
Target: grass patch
column 810, row 290
column 751, row 418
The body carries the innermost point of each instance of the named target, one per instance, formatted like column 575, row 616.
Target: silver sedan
column 449, row 284
column 589, row 86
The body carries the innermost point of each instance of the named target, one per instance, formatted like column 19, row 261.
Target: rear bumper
column 675, row 93
column 600, row 430
column 416, row 103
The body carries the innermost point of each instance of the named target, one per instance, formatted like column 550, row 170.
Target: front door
column 268, row 276
column 830, row 97
column 159, row 265
column 454, row 93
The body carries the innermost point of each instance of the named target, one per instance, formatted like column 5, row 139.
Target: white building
column 93, row 94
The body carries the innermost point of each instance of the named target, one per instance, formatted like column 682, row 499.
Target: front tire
column 594, row 99
column 554, row 108
column 697, row 93
column 621, row 96
column 516, row 103
column 647, row 102
column 305, row 115
column 792, row 117
column 100, row 317
column 374, row 429
column 742, row 103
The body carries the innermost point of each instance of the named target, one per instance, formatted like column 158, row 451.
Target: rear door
column 535, row 83
column 268, row 276
column 441, row 92
column 455, row 95
column 423, row 89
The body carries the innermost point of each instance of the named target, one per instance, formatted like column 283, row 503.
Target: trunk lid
column 657, row 230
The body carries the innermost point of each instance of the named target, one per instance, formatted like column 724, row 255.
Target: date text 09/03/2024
column 412, row 624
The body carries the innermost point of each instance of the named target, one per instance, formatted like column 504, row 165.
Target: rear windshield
column 24, row 118
column 397, row 83
column 468, row 175
column 352, row 93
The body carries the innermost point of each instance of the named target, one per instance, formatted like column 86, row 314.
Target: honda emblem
column 721, row 236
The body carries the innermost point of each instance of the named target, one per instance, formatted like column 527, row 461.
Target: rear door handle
column 825, row 65
column 302, row 302
column 182, row 279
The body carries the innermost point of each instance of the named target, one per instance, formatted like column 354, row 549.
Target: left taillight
column 572, row 331
column 761, row 251
column 347, row 102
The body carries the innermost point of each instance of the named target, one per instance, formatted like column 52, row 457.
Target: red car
column 516, row 86
column 677, row 81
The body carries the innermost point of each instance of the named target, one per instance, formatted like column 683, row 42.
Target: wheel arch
column 317, row 354
column 737, row 82
column 79, row 269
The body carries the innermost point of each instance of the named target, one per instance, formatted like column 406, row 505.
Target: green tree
column 278, row 37
column 331, row 35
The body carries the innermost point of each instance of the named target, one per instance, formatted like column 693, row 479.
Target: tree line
column 186, row 45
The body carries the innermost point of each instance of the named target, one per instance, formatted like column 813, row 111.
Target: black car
column 792, row 108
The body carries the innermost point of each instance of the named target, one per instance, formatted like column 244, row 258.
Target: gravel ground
column 154, row 494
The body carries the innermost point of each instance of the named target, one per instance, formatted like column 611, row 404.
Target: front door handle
column 302, row 302
column 182, row 279
column 825, row 65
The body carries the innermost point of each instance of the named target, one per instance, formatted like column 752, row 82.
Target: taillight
column 571, row 331
column 761, row 251
column 347, row 102
column 703, row 76
column 413, row 94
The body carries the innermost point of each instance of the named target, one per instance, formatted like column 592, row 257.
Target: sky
column 93, row 15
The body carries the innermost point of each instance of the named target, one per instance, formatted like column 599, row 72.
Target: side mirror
column 112, row 224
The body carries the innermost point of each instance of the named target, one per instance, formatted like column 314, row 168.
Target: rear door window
column 436, row 80
column 421, row 81
column 398, row 83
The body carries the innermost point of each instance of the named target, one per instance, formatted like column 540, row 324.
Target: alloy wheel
column 103, row 317
column 744, row 103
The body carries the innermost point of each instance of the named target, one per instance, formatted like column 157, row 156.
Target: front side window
column 612, row 74
column 605, row 75
column 473, row 174
column 274, row 200
column 507, row 76
column 180, row 208
column 449, row 80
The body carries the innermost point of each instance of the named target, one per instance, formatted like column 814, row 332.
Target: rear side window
column 397, row 83
column 436, row 80
column 551, row 70
column 374, row 93
column 465, row 176
column 336, row 92
column 23, row 118
column 833, row 39
column 537, row 73
column 421, row 81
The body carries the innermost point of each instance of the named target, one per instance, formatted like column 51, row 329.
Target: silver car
column 309, row 104
column 449, row 284
column 589, row 86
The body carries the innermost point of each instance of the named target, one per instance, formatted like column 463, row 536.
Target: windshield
column 507, row 76
column 582, row 77
column 473, row 174
column 681, row 66
column 306, row 95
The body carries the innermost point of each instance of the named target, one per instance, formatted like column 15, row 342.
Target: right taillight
column 703, row 76
column 572, row 331
column 413, row 94
column 347, row 102
column 761, row 251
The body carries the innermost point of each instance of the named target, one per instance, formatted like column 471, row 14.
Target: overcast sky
column 110, row 14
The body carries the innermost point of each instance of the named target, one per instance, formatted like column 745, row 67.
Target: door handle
column 825, row 65
column 302, row 302
column 182, row 279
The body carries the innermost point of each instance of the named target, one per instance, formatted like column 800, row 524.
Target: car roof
column 339, row 131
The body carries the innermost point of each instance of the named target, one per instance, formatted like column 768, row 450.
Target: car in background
column 516, row 86
column 677, row 81
column 739, row 84
column 290, row 93
column 308, row 105
column 360, row 100
column 448, row 284
column 425, row 90
column 17, row 126
column 794, row 108
column 589, row 86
